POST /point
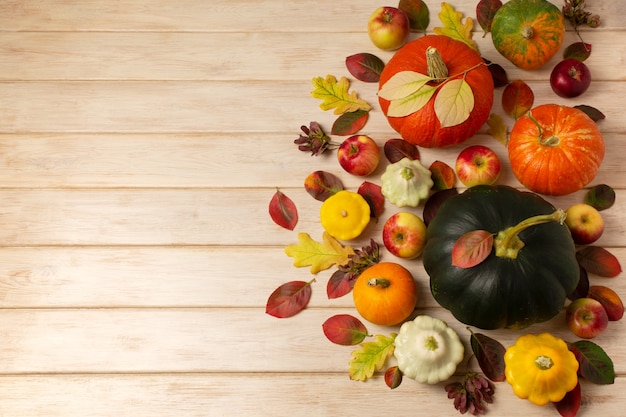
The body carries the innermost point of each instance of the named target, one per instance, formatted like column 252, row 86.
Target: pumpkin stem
column 436, row 67
column 527, row 32
column 379, row 282
column 508, row 244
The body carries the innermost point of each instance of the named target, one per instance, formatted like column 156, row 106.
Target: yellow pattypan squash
column 345, row 214
column 540, row 368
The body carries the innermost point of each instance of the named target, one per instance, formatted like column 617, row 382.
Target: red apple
column 388, row 28
column 585, row 223
column 359, row 155
column 570, row 78
column 477, row 165
column 404, row 235
column 586, row 318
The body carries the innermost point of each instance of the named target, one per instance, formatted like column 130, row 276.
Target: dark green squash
column 502, row 291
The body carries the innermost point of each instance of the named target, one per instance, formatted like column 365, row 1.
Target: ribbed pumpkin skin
column 547, row 23
column 565, row 167
column 422, row 128
column 500, row 292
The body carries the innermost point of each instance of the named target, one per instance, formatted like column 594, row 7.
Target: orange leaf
column 517, row 99
column 599, row 261
column 472, row 248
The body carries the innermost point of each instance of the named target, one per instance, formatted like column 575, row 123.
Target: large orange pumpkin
column 385, row 294
column 555, row 149
column 423, row 127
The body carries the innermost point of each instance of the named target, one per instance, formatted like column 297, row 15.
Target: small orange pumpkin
column 423, row 127
column 555, row 149
column 385, row 294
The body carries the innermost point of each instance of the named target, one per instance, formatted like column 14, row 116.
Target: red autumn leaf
column 600, row 196
column 417, row 12
column 365, row 67
column 485, row 10
column 344, row 329
column 472, row 248
column 498, row 74
column 289, row 299
column 443, row 175
column 372, row 193
column 594, row 363
column 578, row 50
column 582, row 289
column 489, row 354
column 398, row 149
column 283, row 211
column 595, row 114
column 350, row 122
column 435, row 201
column 321, row 185
column 339, row 284
column 569, row 405
column 393, row 377
column 599, row 261
column 517, row 99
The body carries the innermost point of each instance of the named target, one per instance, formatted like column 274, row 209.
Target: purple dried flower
column 472, row 395
column 313, row 140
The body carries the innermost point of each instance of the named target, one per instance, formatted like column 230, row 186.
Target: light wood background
column 140, row 144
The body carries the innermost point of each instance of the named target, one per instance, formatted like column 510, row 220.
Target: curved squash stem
column 508, row 244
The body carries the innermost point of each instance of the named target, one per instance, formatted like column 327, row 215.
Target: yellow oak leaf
column 335, row 94
column 454, row 26
column 371, row 357
column 497, row 128
column 318, row 255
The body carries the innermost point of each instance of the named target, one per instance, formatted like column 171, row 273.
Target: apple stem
column 379, row 282
column 436, row 67
column 508, row 244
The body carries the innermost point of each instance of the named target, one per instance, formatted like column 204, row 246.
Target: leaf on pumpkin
column 497, row 128
column 335, row 94
column 403, row 84
column 318, row 255
column 350, row 122
column 454, row 26
column 344, row 329
column 454, row 102
column 283, row 211
column 410, row 104
column 471, row 248
column 371, row 357
column 289, row 299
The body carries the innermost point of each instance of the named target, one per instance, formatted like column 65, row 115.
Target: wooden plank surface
column 140, row 143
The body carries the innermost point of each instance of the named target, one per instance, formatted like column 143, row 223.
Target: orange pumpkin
column 385, row 294
column 423, row 127
column 555, row 149
column 528, row 32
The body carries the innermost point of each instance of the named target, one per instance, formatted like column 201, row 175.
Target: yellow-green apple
column 477, row 165
column 404, row 235
column 388, row 28
column 359, row 155
column 584, row 222
column 586, row 318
